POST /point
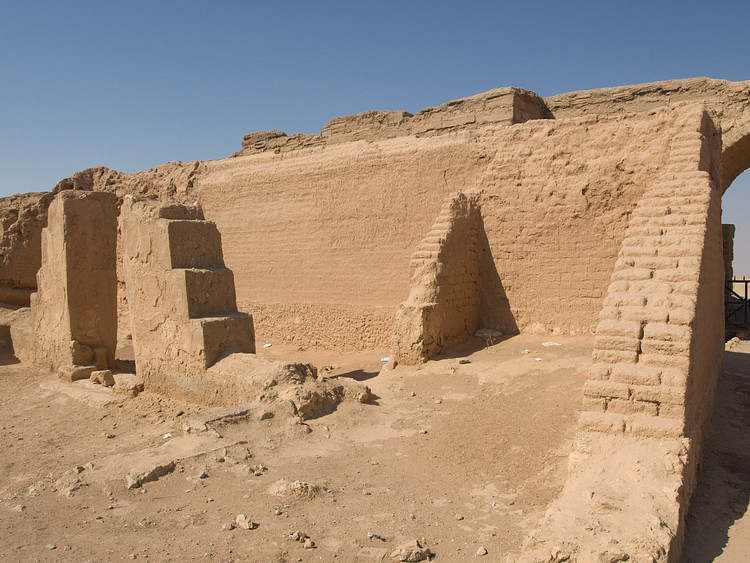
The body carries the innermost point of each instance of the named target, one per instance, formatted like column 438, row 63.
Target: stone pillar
column 74, row 311
column 181, row 296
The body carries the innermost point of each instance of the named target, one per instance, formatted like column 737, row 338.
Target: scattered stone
column 202, row 474
column 413, row 394
column 298, row 489
column 423, row 431
column 375, row 537
column 244, row 522
column 459, row 517
column 438, row 401
column 481, row 551
column 464, row 361
column 551, row 344
column 102, row 377
column 128, row 384
column 411, row 552
column 51, row 546
column 137, row 477
column 228, row 526
column 309, row 544
column 75, row 373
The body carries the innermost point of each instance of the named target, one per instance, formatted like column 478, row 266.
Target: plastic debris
column 167, row 435
column 266, row 345
column 385, row 359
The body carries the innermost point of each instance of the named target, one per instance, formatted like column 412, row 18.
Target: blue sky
column 130, row 85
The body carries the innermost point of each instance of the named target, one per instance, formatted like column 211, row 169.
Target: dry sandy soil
column 458, row 455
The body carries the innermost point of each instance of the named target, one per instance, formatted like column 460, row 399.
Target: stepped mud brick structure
column 181, row 296
column 444, row 306
column 589, row 212
column 74, row 312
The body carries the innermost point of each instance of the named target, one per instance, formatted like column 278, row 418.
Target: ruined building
column 589, row 212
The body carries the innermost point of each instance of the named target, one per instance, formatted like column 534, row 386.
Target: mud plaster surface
column 462, row 455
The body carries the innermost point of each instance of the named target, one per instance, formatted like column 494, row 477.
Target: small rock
column 411, row 552
column 413, row 394
column 202, row 474
column 51, row 546
column 459, row 517
column 481, row 551
column 244, row 522
column 464, row 361
column 102, row 377
column 423, row 431
column 309, row 544
column 438, row 401
column 228, row 526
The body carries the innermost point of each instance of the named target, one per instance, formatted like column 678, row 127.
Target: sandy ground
column 461, row 455
column 458, row 455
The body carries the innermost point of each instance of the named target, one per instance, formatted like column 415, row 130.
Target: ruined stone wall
column 500, row 106
column 320, row 237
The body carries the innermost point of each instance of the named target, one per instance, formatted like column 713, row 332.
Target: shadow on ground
column 723, row 491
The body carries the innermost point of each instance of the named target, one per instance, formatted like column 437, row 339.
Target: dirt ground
column 458, row 455
column 718, row 525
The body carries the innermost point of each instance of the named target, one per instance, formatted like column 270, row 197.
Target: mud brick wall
column 76, row 298
column 330, row 231
column 443, row 308
column 659, row 339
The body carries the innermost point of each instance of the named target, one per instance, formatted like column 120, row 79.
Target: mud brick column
column 181, row 296
column 75, row 308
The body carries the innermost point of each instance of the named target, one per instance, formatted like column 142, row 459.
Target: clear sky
column 130, row 85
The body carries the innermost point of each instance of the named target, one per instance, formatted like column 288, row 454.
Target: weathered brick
column 636, row 374
column 654, row 427
column 659, row 394
column 619, row 328
column 619, row 343
column 655, row 262
column 674, row 377
column 606, row 389
column 632, row 407
column 660, row 360
column 644, row 314
column 600, row 371
column 664, row 347
column 629, row 274
column 619, row 299
column 681, row 317
column 677, row 276
column 601, row 422
column 594, row 404
column 614, row 356
column 687, row 287
column 661, row 331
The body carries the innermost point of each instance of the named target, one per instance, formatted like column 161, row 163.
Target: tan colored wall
column 657, row 360
column 317, row 229
column 76, row 298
